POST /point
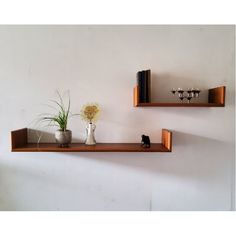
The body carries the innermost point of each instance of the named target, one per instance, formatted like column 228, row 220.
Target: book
column 148, row 85
column 144, row 85
column 140, row 86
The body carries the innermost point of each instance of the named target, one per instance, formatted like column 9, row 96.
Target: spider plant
column 62, row 115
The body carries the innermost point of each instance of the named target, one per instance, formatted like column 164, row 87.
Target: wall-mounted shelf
column 216, row 98
column 19, row 141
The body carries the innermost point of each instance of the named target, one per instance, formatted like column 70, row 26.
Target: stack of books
column 144, row 85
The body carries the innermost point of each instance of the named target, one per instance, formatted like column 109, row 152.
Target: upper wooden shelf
column 216, row 98
column 19, row 141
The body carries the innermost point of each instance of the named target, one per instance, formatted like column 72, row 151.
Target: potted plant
column 90, row 113
column 63, row 136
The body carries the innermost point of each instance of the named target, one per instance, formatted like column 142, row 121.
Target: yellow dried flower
column 90, row 112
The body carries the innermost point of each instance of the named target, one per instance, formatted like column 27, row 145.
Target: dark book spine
column 139, row 83
column 144, row 85
column 148, row 86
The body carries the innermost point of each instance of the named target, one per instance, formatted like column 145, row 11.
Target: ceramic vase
column 90, row 129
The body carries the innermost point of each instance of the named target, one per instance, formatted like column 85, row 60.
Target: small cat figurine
column 145, row 141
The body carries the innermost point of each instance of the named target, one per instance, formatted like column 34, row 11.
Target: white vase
column 90, row 140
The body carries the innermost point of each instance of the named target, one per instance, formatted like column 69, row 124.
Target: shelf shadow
column 192, row 156
column 40, row 136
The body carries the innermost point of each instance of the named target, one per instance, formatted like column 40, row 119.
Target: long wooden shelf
column 216, row 98
column 19, row 139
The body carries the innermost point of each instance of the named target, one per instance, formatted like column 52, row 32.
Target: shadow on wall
column 183, row 163
column 40, row 136
column 192, row 157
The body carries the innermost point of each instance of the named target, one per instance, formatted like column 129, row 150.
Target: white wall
column 99, row 63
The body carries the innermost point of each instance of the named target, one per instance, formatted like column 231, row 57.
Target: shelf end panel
column 167, row 139
column 19, row 138
column 217, row 95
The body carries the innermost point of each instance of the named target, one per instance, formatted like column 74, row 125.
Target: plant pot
column 63, row 138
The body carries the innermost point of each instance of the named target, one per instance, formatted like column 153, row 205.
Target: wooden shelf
column 216, row 98
column 158, row 104
column 19, row 140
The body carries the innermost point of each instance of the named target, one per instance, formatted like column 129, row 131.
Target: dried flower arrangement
column 90, row 112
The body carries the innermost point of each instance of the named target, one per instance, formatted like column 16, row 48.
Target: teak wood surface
column 216, row 98
column 20, row 144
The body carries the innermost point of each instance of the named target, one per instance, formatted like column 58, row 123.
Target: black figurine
column 145, row 141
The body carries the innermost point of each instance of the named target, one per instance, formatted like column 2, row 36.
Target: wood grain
column 20, row 144
column 19, row 138
column 217, row 95
column 216, row 98
column 167, row 139
column 136, row 96
column 99, row 147
column 165, row 104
